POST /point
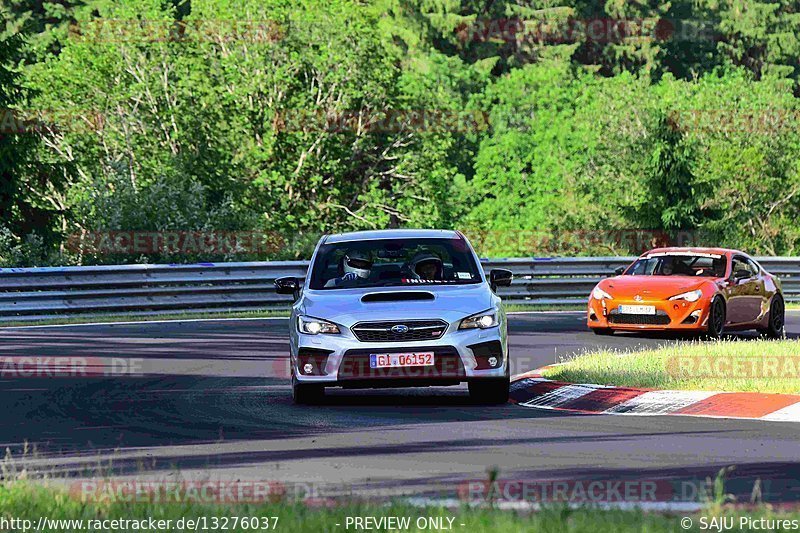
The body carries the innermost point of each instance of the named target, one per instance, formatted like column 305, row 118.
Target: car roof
column 392, row 234
column 698, row 249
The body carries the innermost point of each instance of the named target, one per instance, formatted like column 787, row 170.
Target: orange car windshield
column 706, row 265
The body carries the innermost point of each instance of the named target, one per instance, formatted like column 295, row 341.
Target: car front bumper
column 343, row 360
column 670, row 315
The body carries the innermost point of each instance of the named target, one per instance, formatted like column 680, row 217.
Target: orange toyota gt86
column 704, row 290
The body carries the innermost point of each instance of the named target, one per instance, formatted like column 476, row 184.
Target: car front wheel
column 716, row 319
column 489, row 391
column 307, row 393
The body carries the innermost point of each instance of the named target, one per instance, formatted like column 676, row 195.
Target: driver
column 354, row 267
column 427, row 266
column 667, row 268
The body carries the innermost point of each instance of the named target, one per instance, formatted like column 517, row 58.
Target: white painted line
column 789, row 413
column 560, row 396
column 659, row 402
column 135, row 322
column 522, row 505
column 535, row 374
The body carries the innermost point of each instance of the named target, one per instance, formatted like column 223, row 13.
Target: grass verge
column 729, row 366
column 102, row 319
column 24, row 501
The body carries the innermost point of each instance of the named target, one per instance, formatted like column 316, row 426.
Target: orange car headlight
column 691, row 296
column 600, row 294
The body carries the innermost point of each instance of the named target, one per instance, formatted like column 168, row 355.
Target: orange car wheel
column 716, row 318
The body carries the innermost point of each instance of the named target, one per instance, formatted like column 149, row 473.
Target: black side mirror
column 618, row 271
column 742, row 274
column 288, row 285
column 500, row 277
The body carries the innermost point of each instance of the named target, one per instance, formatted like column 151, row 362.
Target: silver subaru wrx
column 397, row 308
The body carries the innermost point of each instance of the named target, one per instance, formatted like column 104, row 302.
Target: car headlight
column 691, row 296
column 599, row 294
column 483, row 320
column 315, row 326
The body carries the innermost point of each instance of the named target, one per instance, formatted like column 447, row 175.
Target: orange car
column 706, row 290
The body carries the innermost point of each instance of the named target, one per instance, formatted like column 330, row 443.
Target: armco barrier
column 156, row 289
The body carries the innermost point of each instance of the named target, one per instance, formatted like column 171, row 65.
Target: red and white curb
column 532, row 390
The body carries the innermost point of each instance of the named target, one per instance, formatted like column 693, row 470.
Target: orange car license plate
column 637, row 309
column 395, row 360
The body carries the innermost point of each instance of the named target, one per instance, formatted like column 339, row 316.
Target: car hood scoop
column 395, row 296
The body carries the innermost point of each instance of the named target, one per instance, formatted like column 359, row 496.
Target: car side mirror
column 288, row 285
column 742, row 274
column 619, row 270
column 500, row 277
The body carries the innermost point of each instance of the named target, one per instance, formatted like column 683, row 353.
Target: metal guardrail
column 156, row 289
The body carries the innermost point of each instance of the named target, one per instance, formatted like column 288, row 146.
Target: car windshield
column 704, row 265
column 391, row 262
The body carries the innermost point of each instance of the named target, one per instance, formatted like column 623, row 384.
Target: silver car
column 397, row 308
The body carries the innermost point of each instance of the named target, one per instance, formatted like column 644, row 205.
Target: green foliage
column 506, row 119
column 25, row 216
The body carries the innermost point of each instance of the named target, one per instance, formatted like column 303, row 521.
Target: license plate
column 401, row 360
column 637, row 309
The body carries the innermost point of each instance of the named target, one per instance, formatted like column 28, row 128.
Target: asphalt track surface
column 208, row 401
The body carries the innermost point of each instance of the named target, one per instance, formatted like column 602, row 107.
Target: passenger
column 427, row 267
column 667, row 267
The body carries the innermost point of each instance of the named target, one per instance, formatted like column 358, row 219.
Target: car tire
column 716, row 319
column 776, row 320
column 490, row 391
column 603, row 331
column 307, row 393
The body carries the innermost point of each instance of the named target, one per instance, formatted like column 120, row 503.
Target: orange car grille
column 660, row 319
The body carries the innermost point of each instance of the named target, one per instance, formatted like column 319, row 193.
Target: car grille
column 418, row 330
column 659, row 319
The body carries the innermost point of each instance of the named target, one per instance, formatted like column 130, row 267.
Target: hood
column 348, row 306
column 651, row 287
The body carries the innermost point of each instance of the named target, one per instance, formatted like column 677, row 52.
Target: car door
column 744, row 291
column 760, row 298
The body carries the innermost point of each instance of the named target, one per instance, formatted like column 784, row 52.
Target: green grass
column 77, row 319
column 516, row 308
column 741, row 365
column 30, row 502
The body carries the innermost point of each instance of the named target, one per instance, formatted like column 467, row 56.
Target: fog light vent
column 693, row 318
column 312, row 361
column 488, row 355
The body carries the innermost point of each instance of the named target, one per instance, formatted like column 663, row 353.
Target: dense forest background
column 539, row 127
